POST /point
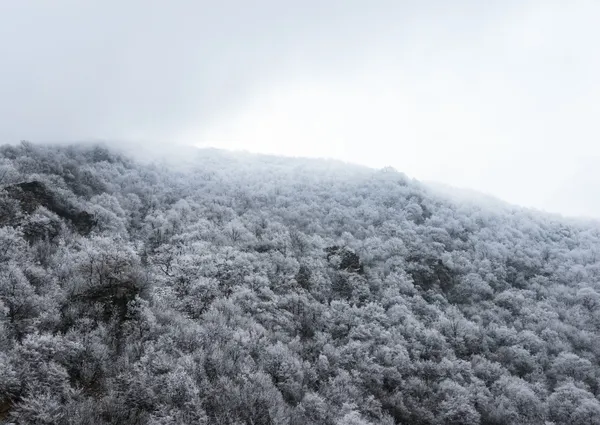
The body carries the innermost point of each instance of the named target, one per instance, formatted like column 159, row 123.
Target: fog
column 499, row 98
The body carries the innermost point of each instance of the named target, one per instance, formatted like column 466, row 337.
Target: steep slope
column 34, row 194
column 247, row 289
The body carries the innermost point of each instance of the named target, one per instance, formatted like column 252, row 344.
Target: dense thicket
column 259, row 290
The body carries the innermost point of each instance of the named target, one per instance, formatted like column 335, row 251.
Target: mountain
column 249, row 289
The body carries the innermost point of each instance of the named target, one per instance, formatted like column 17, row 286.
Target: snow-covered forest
column 246, row 289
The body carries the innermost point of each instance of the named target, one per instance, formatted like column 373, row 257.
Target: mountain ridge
column 268, row 290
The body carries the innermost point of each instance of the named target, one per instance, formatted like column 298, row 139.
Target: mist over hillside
column 249, row 289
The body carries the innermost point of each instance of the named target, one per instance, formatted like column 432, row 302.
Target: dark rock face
column 349, row 260
column 34, row 194
column 430, row 272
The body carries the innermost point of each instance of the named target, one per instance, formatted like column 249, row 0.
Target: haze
column 498, row 97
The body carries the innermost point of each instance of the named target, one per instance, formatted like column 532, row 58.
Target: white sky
column 501, row 97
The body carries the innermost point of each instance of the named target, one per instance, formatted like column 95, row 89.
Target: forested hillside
column 259, row 290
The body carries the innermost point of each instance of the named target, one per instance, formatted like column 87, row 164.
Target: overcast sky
column 501, row 97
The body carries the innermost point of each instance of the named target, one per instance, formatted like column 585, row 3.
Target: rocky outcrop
column 31, row 195
column 344, row 258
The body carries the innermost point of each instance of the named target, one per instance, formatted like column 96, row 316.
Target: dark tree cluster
column 242, row 289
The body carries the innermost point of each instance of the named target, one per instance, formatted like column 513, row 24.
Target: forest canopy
column 247, row 289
